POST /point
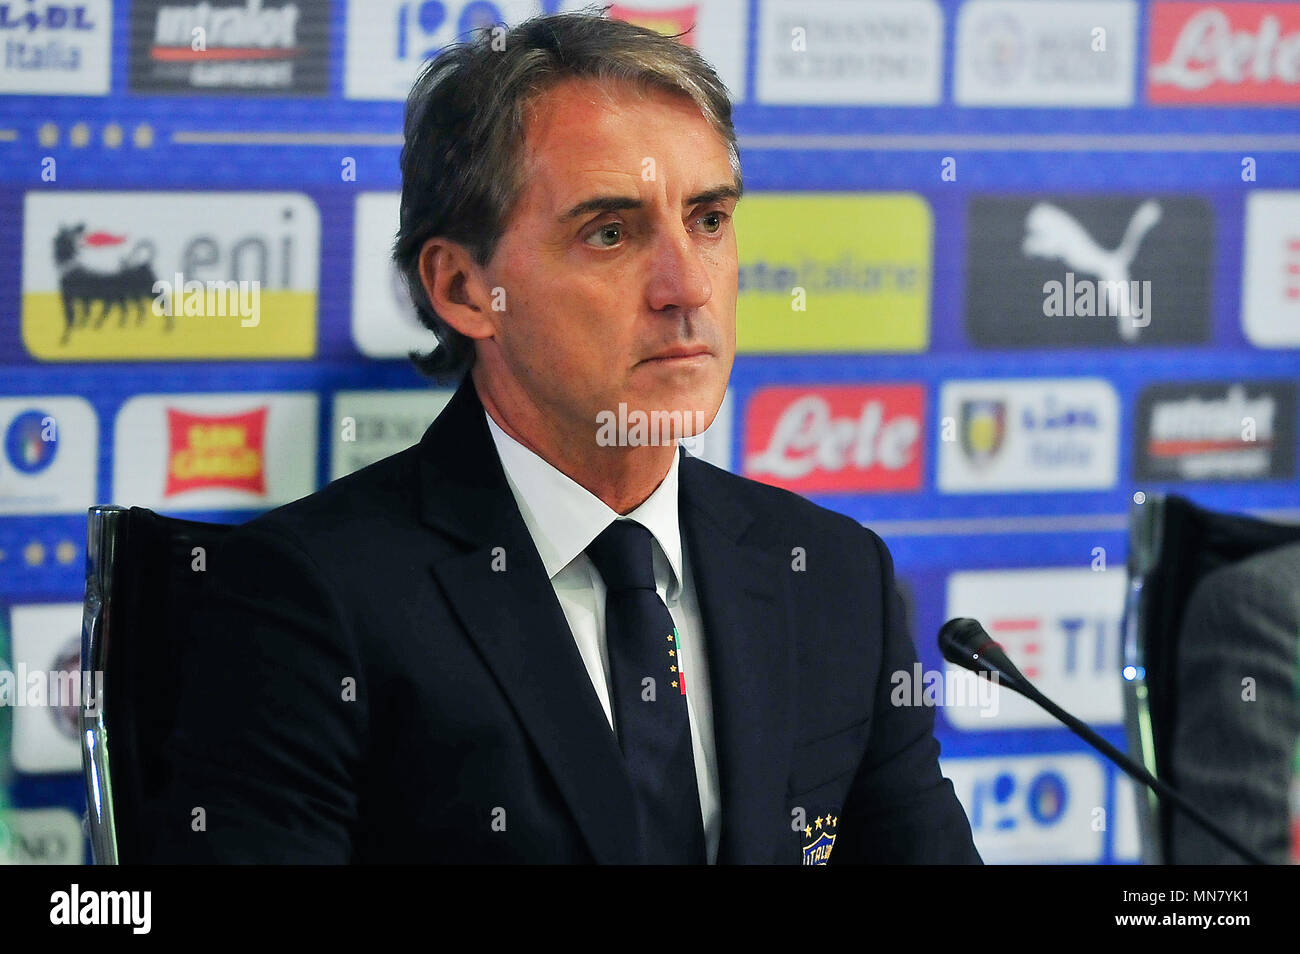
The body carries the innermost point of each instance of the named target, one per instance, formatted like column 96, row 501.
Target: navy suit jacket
column 384, row 674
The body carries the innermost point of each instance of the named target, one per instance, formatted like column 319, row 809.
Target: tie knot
column 623, row 556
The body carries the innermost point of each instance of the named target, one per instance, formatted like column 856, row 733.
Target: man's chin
column 642, row 422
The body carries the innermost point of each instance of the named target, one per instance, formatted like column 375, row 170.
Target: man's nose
column 678, row 278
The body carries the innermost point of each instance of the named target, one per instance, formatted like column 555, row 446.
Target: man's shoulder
column 778, row 512
column 364, row 504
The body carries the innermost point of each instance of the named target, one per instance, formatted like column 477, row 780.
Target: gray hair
column 464, row 133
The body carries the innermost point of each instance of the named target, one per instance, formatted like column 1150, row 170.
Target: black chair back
column 144, row 577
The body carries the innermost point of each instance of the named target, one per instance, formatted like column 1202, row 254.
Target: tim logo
column 1084, row 644
column 1021, row 639
column 31, row 442
column 209, row 451
column 88, row 293
column 1095, row 271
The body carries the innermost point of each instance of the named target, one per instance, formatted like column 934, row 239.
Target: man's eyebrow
column 604, row 203
column 617, row 203
column 716, row 194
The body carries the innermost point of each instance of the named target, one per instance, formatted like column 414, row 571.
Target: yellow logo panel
column 284, row 328
column 828, row 272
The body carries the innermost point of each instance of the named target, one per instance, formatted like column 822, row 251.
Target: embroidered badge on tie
column 675, row 674
column 819, row 838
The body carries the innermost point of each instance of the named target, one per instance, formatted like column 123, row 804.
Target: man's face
column 618, row 262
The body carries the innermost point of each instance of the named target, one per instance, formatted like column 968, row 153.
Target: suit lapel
column 744, row 598
column 516, row 621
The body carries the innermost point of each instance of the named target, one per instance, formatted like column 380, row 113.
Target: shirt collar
column 563, row 517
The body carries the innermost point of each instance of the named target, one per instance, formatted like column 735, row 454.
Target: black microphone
column 963, row 642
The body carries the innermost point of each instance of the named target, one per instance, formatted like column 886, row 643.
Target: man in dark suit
column 536, row 636
column 1234, row 748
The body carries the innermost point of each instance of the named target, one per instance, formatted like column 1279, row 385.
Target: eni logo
column 819, row 838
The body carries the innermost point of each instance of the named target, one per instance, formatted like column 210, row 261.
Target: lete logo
column 838, row 439
column 1224, row 53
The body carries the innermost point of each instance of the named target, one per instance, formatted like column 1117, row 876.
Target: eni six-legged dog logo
column 86, row 292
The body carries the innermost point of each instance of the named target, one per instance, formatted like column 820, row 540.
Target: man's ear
column 457, row 288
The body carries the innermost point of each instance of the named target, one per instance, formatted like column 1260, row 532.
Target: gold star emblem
column 674, row 683
column 819, row 821
column 807, row 832
column 672, row 652
column 670, row 639
column 672, row 668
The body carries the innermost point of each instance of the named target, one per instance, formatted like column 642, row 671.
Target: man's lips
column 683, row 353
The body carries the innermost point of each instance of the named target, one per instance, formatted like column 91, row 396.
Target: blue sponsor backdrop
column 1187, row 151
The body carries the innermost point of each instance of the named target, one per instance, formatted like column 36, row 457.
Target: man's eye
column 712, row 221
column 606, row 236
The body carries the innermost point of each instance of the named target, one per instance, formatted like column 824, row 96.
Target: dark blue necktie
column 648, row 694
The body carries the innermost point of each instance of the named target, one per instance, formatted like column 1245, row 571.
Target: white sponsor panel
column 55, row 48
column 50, row 455
column 388, row 41
column 1270, row 266
column 1127, row 845
column 1046, row 53
column 384, row 320
column 717, row 29
column 1061, row 629
column 1029, row 434
column 46, row 640
column 269, row 237
column 370, row 425
column 1032, row 809
column 41, row 836
column 185, row 452
column 713, row 444
column 882, row 52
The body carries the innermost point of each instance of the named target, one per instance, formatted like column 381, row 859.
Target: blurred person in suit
column 1234, row 757
column 533, row 637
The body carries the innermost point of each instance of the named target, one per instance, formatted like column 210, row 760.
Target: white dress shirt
column 563, row 518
